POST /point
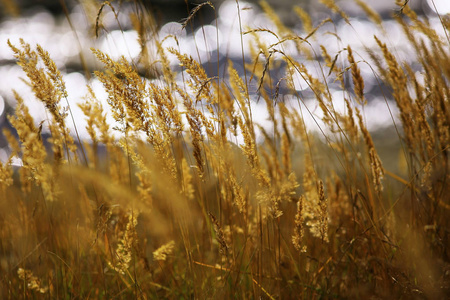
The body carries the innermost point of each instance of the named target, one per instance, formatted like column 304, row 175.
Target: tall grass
column 168, row 205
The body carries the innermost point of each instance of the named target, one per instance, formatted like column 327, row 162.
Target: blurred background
column 65, row 29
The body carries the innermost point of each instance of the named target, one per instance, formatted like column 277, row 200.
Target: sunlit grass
column 187, row 196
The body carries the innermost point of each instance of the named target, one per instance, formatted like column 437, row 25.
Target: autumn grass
column 166, row 203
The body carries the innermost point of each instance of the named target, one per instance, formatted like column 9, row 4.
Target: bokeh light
column 441, row 6
column 2, row 105
column 118, row 43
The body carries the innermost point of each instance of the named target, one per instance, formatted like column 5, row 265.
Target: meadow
column 186, row 196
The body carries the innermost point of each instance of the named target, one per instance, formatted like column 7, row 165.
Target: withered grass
column 167, row 204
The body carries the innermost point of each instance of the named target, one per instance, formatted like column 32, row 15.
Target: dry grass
column 166, row 205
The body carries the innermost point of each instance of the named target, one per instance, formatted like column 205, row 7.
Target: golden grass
column 167, row 205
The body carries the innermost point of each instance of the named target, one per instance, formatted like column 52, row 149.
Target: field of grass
column 187, row 197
